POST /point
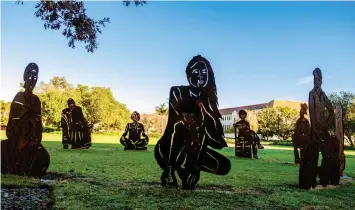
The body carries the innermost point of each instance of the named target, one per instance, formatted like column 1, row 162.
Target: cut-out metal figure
column 301, row 135
column 22, row 153
column 76, row 129
column 193, row 126
column 320, row 140
column 246, row 140
column 134, row 130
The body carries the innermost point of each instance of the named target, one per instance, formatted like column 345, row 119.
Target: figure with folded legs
column 135, row 132
column 193, row 126
column 22, row 153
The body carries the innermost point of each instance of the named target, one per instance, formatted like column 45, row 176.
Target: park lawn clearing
column 107, row 177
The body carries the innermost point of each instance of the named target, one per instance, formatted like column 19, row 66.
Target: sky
column 259, row 51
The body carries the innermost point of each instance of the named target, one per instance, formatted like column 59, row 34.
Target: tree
column 71, row 17
column 5, row 111
column 162, row 110
column 347, row 99
column 267, row 119
column 286, row 121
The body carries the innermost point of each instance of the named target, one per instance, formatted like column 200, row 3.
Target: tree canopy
column 347, row 99
column 72, row 19
column 98, row 104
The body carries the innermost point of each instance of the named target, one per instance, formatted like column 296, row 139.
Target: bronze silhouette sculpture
column 301, row 134
column 22, row 153
column 134, row 130
column 193, row 125
column 246, row 140
column 320, row 140
column 76, row 130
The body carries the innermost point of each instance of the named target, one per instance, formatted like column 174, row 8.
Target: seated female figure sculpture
column 75, row 128
column 301, row 134
column 193, row 125
column 22, row 153
column 320, row 140
column 248, row 134
column 134, row 130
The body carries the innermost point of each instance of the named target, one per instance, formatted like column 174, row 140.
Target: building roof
column 273, row 103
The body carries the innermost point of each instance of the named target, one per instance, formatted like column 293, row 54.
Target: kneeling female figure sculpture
column 193, row 125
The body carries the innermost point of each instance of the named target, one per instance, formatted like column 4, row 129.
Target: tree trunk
column 349, row 139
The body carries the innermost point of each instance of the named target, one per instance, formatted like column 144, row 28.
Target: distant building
column 230, row 115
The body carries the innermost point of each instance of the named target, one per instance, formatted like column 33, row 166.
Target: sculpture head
column 30, row 76
column 303, row 110
column 71, row 103
column 242, row 114
column 200, row 76
column 135, row 116
column 317, row 74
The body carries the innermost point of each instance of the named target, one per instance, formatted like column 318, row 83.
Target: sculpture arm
column 311, row 105
column 143, row 130
column 126, row 130
column 330, row 109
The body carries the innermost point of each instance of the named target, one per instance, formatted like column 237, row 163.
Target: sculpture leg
column 189, row 176
column 167, row 152
column 161, row 154
column 255, row 150
column 142, row 144
column 215, row 163
column 309, row 166
column 8, row 157
column 40, row 163
column 127, row 143
column 297, row 157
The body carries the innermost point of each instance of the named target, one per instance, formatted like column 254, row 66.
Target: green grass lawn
column 107, row 177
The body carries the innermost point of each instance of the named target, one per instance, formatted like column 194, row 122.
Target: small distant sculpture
column 135, row 130
column 320, row 140
column 193, row 125
column 76, row 129
column 22, row 153
column 246, row 139
column 301, row 135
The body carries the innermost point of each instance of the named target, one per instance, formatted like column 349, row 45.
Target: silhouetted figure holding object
column 22, row 153
column 246, row 139
column 134, row 130
column 301, row 134
column 76, row 130
column 320, row 140
column 193, row 125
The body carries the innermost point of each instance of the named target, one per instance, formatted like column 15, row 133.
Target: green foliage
column 286, row 121
column 266, row 121
column 347, row 99
column 98, row 104
column 279, row 121
column 162, row 110
column 71, row 17
column 5, row 111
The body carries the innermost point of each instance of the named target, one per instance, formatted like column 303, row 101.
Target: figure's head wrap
column 242, row 112
column 70, row 101
column 317, row 73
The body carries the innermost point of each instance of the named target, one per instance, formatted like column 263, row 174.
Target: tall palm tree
column 161, row 110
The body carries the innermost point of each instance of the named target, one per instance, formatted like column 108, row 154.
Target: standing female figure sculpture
column 22, row 153
column 193, row 125
column 320, row 140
